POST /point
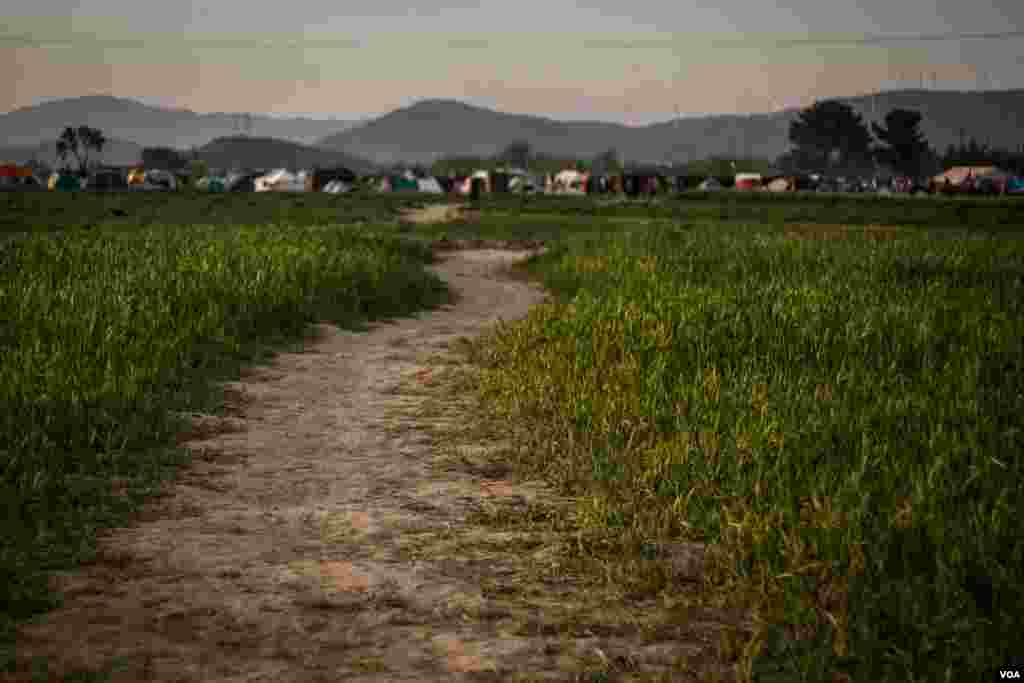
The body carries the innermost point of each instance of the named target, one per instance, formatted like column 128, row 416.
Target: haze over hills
column 433, row 128
column 149, row 126
column 239, row 152
column 436, row 128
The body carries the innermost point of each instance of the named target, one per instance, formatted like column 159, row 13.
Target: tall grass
column 105, row 334
column 842, row 421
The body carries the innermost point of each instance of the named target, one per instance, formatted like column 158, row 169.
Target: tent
column 323, row 176
column 64, row 181
column 748, row 181
column 525, row 184
column 500, row 181
column 958, row 174
column 483, row 178
column 1015, row 185
column 781, row 185
column 107, row 180
column 429, row 185
column 160, row 179
column 404, row 183
column 245, row 182
column 336, row 187
column 281, row 180
column 14, row 177
column 212, row 184
column 710, row 185
column 971, row 178
column 570, row 181
column 15, row 171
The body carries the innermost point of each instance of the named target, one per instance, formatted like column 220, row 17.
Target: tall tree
column 607, row 162
column 517, row 153
column 830, row 134
column 79, row 142
column 903, row 145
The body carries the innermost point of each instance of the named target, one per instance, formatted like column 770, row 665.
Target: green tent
column 400, row 183
column 67, row 181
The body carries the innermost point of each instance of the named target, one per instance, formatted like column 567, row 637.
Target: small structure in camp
column 107, row 180
column 480, row 179
column 780, row 184
column 337, row 187
column 570, row 181
column 429, row 185
column 65, row 181
column 212, row 184
column 710, row 185
column 281, row 180
column 748, row 181
column 151, row 179
column 19, row 178
column 243, row 182
column 972, row 179
column 323, row 176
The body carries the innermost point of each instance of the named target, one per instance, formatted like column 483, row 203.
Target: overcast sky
column 633, row 62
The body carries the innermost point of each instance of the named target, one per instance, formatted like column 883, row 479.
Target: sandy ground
column 439, row 213
column 281, row 554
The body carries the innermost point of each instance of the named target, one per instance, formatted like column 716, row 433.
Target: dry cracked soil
column 307, row 540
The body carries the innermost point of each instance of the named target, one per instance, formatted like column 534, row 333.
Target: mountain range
column 149, row 126
column 434, row 128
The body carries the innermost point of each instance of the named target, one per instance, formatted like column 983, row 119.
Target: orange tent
column 15, row 171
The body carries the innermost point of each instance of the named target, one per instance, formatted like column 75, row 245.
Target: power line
column 25, row 40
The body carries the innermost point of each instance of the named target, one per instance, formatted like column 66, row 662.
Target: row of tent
column 567, row 182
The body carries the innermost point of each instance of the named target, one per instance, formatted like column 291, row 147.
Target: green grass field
column 837, row 409
column 842, row 419
column 108, row 333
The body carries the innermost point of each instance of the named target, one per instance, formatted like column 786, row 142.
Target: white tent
column 161, row 179
column 710, row 185
column 337, row 187
column 570, row 181
column 780, row 185
column 429, row 184
column 281, row 180
column 525, row 183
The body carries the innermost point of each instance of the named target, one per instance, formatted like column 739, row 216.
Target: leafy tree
column 197, row 169
column 830, row 134
column 903, row 145
column 607, row 161
column 517, row 153
column 78, row 142
column 165, row 158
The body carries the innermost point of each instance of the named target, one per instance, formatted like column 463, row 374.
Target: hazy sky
column 633, row 62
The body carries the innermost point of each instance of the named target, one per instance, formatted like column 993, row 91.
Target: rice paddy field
column 827, row 391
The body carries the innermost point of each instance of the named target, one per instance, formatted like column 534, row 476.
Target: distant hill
column 248, row 152
column 434, row 128
column 115, row 152
column 127, row 119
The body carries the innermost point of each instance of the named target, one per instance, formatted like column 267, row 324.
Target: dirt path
column 293, row 550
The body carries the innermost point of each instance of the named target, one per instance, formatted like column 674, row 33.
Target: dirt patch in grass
column 350, row 521
column 439, row 213
column 826, row 231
